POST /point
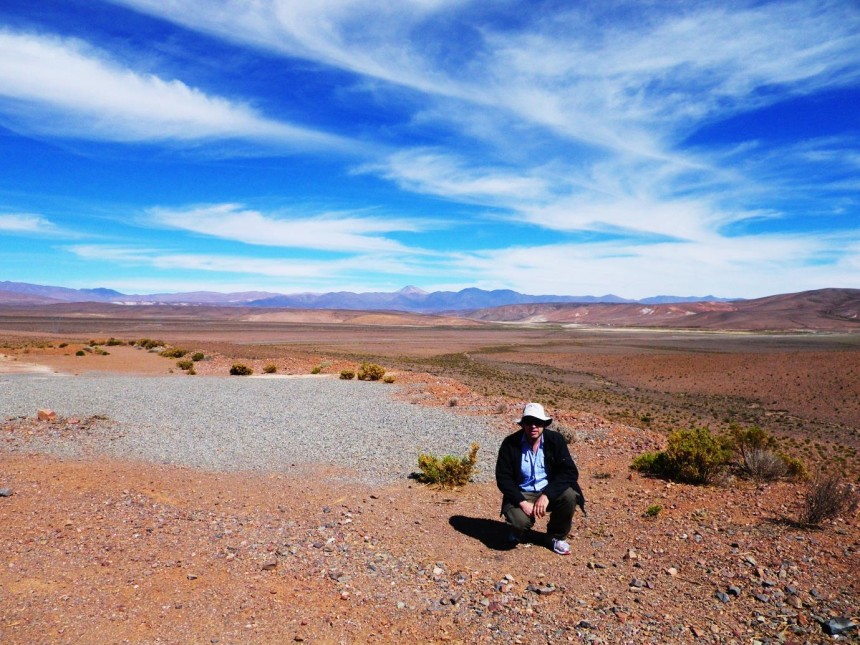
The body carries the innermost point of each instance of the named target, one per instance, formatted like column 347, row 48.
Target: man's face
column 533, row 427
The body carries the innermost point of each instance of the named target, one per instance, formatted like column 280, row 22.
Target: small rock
column 836, row 626
column 46, row 415
column 631, row 555
column 734, row 591
column 761, row 597
column 584, row 624
column 269, row 565
column 401, row 604
column 191, row 576
column 750, row 560
column 637, row 582
column 672, row 571
column 5, row 492
column 722, row 596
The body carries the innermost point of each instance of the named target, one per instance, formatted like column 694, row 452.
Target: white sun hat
column 536, row 411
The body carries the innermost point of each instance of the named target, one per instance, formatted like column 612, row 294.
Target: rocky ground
column 130, row 552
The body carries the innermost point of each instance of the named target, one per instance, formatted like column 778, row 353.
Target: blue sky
column 634, row 148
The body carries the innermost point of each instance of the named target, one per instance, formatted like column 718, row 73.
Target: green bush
column 271, row 368
column 653, row 510
column 114, row 341
column 694, row 456
column 185, row 364
column 173, row 352
column 449, row 471
column 316, row 369
column 80, row 352
column 149, row 343
column 347, row 375
column 198, row 356
column 238, row 369
column 61, row 345
column 370, row 372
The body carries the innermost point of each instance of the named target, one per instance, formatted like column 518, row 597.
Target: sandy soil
column 128, row 552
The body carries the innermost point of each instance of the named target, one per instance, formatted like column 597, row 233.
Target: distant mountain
column 410, row 299
column 822, row 309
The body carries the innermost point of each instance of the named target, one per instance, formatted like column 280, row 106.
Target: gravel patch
column 271, row 424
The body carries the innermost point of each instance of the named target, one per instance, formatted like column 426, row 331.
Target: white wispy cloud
column 720, row 265
column 26, row 223
column 62, row 86
column 344, row 232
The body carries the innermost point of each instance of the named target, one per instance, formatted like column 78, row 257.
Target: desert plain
column 119, row 551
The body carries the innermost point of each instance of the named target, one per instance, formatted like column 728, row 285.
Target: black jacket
column 561, row 471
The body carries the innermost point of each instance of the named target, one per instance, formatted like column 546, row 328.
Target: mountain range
column 410, row 299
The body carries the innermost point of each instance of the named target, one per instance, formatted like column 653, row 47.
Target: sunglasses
column 529, row 422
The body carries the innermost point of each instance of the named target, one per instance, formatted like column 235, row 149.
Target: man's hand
column 540, row 505
column 536, row 509
column 527, row 507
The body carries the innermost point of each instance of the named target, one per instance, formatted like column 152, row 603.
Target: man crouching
column 537, row 475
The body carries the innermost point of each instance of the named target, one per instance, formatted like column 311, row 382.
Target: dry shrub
column 370, row 372
column 388, row 379
column 238, row 369
column 759, row 458
column 271, row 368
column 828, row 497
column 449, row 471
column 347, row 375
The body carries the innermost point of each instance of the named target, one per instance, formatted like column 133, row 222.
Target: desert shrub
column 173, row 352
column 271, row 368
column 185, row 364
column 602, row 475
column 449, row 471
column 238, row 369
column 453, row 402
column 694, row 456
column 759, row 458
column 111, row 342
column 388, row 378
column 61, row 345
column 100, row 352
column 198, row 356
column 191, row 372
column 80, row 352
column 795, row 468
column 370, row 372
column 828, row 497
column 653, row 510
column 316, row 369
column 347, row 375
column 149, row 343
column 88, row 350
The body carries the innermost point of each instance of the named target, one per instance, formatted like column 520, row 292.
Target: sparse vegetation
column 388, row 378
column 828, row 497
column 198, row 356
column 111, row 342
column 370, row 372
column 173, row 352
column 185, row 364
column 316, row 369
column 693, row 456
column 449, row 471
column 62, row 345
column 347, row 375
column 759, row 456
column 239, row 369
column 80, row 352
column 653, row 510
column 271, row 368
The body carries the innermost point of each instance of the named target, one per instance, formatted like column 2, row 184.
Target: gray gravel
column 272, row 424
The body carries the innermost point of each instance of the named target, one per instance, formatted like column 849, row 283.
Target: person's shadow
column 493, row 533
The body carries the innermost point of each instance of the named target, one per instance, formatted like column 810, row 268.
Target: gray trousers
column 560, row 514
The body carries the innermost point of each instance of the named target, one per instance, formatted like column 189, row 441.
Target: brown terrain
column 99, row 550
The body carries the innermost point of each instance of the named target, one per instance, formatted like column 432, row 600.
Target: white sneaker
column 561, row 547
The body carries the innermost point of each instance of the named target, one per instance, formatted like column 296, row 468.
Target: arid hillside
column 824, row 309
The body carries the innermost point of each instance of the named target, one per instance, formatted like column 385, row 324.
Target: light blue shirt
column 532, row 468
